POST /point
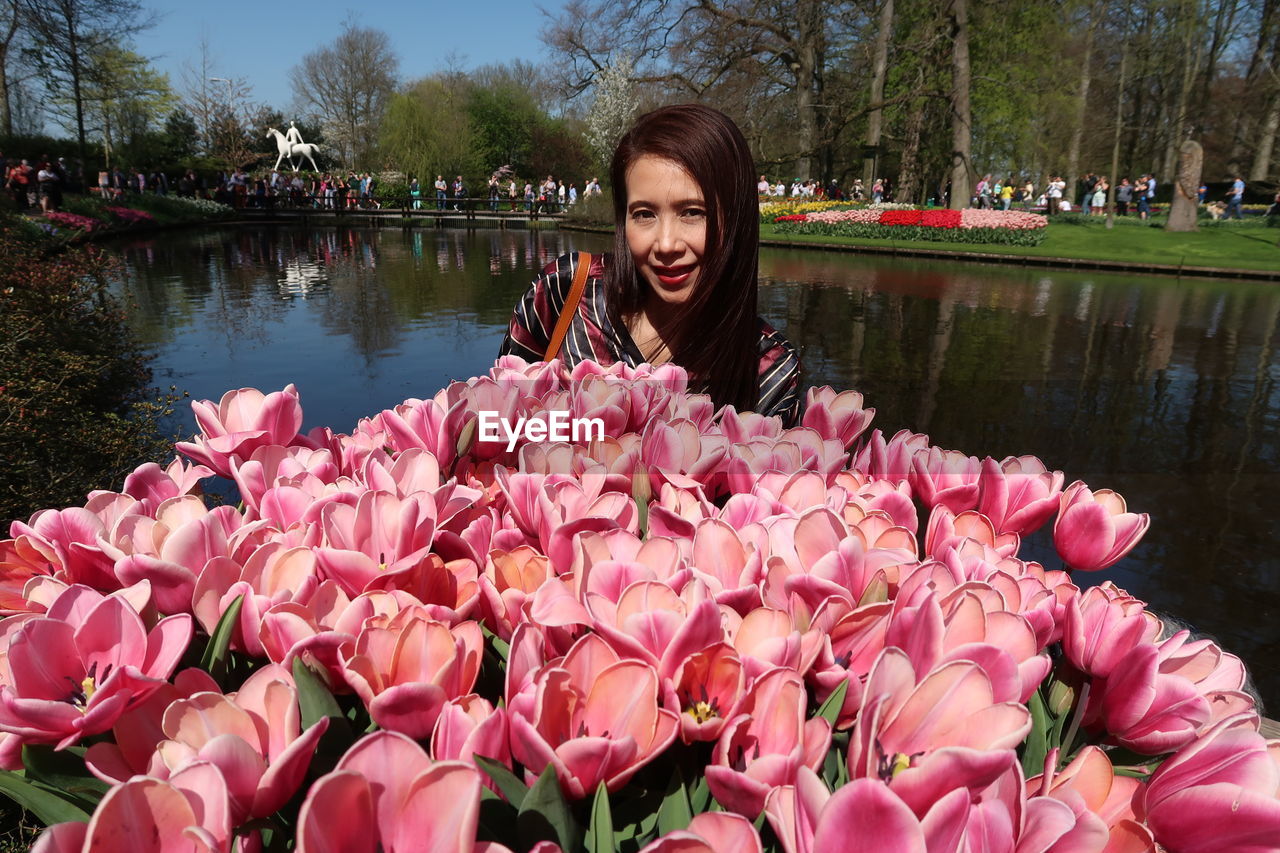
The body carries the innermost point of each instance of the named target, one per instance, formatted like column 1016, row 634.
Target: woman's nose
column 668, row 235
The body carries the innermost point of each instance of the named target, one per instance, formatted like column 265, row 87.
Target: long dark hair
column 717, row 335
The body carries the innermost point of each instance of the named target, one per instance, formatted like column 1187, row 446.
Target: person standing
column 1053, row 194
column 1151, row 192
column 1235, row 199
column 1124, row 195
column 441, row 193
column 47, row 179
column 1140, row 190
column 415, row 193
column 459, row 192
column 1006, row 194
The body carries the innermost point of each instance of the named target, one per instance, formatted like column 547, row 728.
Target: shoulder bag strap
column 570, row 306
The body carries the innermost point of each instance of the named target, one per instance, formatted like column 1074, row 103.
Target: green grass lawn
column 1249, row 247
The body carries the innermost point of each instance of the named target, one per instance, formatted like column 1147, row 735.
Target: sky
column 261, row 41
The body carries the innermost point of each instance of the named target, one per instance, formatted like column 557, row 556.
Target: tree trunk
column 1186, row 187
column 1082, row 108
column 961, row 112
column 1113, row 177
column 74, row 54
column 875, row 119
column 6, row 115
column 1266, row 142
column 1178, row 125
column 1254, row 82
column 809, row 31
column 909, row 167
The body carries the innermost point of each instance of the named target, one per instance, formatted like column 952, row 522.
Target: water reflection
column 1162, row 389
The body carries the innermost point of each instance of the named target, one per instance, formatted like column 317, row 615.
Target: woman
column 680, row 284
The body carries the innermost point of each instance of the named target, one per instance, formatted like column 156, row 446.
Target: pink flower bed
column 861, row 216
column 821, row 625
column 1016, row 220
column 131, row 216
column 72, row 220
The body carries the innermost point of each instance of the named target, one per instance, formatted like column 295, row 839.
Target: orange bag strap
column 570, row 306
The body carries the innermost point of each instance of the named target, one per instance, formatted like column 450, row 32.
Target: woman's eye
column 693, row 213
column 641, row 214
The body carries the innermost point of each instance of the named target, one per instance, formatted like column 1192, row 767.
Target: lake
column 1162, row 389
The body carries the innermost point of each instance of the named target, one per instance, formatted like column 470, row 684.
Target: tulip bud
column 1061, row 698
column 467, row 437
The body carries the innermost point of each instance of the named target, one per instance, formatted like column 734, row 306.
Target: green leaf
column 600, row 832
column 510, row 786
column 830, row 709
column 1037, row 746
column 497, row 820
column 501, row 646
column 675, row 813
column 62, row 770
column 700, row 796
column 314, row 699
column 545, row 816
column 214, row 659
column 45, row 804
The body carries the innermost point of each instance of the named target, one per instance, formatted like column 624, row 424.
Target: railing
column 403, row 206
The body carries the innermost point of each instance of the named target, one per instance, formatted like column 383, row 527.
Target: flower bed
column 72, row 220
column 130, row 216
column 1010, row 227
column 691, row 634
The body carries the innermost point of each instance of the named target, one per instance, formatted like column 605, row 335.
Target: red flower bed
column 900, row 217
column 794, row 217
column 940, row 218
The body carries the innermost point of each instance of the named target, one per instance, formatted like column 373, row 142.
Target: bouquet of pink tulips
column 697, row 631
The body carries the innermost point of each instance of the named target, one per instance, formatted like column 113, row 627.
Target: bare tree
column 69, row 33
column 753, row 51
column 348, row 85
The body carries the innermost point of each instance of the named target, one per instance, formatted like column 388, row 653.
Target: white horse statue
column 293, row 149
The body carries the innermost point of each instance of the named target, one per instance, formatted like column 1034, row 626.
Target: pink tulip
column 890, row 460
column 73, row 672
column 1018, row 494
column 510, row 578
column 186, row 814
column 947, row 531
column 1221, row 792
column 836, row 415
column 652, row 623
column 387, row 795
column 433, row 425
column 765, row 745
column 242, row 422
column 253, row 737
column 1090, row 781
column 947, row 478
column 594, row 718
column 729, row 568
column 1102, row 625
column 380, row 534
column 152, row 485
column 709, row 832
column 64, row 543
column 864, row 816
column 1094, row 529
column 943, row 728
column 709, row 688
column 1159, row 697
column 469, row 726
column 272, row 575
column 407, row 667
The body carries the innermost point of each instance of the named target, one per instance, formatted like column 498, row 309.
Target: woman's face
column 666, row 227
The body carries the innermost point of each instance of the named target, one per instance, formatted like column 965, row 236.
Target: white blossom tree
column 613, row 109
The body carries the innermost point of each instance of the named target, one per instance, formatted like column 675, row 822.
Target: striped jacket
column 593, row 337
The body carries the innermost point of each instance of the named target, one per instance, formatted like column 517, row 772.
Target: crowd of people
column 39, row 183
column 549, row 196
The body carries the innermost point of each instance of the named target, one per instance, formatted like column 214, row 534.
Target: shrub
column 74, row 412
column 591, row 210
